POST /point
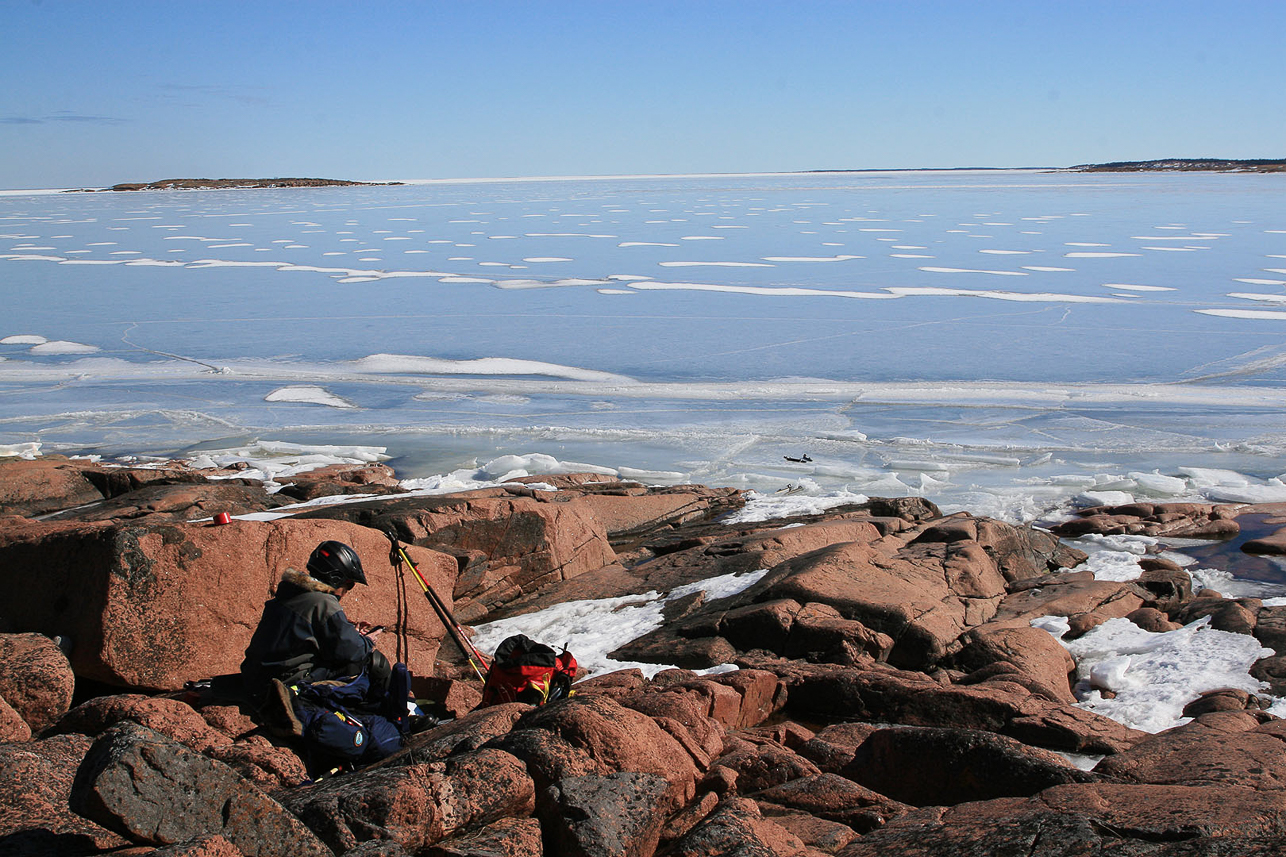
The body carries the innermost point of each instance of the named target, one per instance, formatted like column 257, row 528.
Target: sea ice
column 1113, row 557
column 841, row 258
column 308, row 394
column 973, row 271
column 1258, row 314
column 62, row 346
column 401, row 364
column 766, row 507
column 592, row 629
column 1154, row 675
column 713, row 265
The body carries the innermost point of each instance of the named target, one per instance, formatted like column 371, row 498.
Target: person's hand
column 366, row 629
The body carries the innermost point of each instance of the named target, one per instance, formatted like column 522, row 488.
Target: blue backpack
column 340, row 720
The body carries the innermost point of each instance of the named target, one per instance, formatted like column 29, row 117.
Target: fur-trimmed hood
column 305, row 581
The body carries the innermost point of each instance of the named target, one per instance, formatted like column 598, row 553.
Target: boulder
column 1270, row 628
column 1022, row 552
column 1092, row 818
column 624, row 512
column 1224, row 699
column 177, row 502
column 667, row 646
column 1230, row 748
column 263, row 763
column 833, row 747
column 141, row 604
column 508, row 837
column 176, row 720
column 1173, row 520
column 385, row 848
column 1273, row 544
column 820, row 632
column 1069, row 595
column 549, row 758
column 944, row 766
column 689, row 817
column 1035, row 653
column 468, row 732
column 684, row 714
column 1271, row 671
column 12, row 726
column 618, row 739
column 42, row 485
column 923, row 597
column 1169, row 588
column 618, row 814
column 415, row 805
column 618, row 683
column 904, row 698
column 1235, row 616
column 200, row 846
column 765, row 765
column 230, row 720
column 35, row 678
column 340, row 479
column 834, row 798
column 1152, row 620
column 60, row 488
column 818, row 835
column 739, row 552
column 155, row 791
column 736, row 826
column 762, row 693
column 525, row 542
column 34, row 815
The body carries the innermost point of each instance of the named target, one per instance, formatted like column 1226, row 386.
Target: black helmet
column 335, row 564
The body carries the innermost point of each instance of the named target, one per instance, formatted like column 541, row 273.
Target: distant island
column 224, row 184
column 1170, row 165
column 1219, row 165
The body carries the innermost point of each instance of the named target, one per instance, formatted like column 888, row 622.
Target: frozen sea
column 1014, row 343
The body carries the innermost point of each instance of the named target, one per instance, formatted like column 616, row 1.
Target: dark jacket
column 304, row 635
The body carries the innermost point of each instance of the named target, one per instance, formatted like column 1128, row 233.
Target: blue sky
column 101, row 92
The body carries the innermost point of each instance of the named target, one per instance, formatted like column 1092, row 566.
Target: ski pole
column 397, row 556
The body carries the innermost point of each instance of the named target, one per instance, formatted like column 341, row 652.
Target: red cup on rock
column 223, row 518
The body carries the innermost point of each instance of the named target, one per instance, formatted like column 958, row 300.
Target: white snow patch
column 713, row 265
column 308, row 394
column 592, row 629
column 1258, row 314
column 404, row 364
column 973, row 271
column 29, row 451
column 1154, row 675
column 841, row 258
column 62, row 346
column 766, row 507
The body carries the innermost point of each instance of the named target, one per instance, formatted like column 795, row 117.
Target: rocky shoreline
column 893, row 697
column 233, row 184
column 1185, row 165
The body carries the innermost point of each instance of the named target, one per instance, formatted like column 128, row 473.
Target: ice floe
column 308, row 394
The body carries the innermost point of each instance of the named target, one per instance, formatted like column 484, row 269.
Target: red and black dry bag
column 526, row 671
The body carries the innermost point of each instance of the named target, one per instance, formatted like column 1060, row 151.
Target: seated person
column 304, row 636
